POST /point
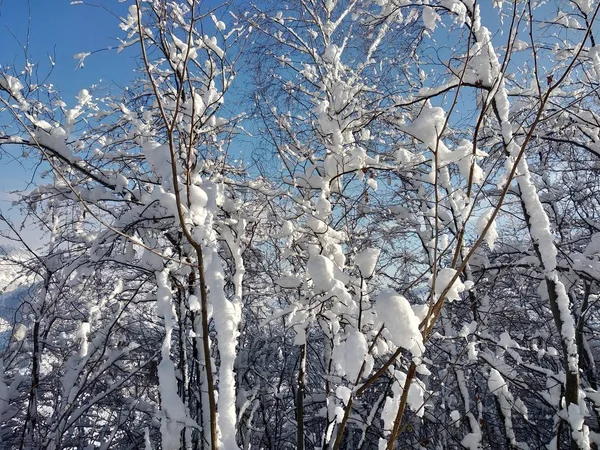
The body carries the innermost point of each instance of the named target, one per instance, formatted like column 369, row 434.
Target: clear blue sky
column 59, row 29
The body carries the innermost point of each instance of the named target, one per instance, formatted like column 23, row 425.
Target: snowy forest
column 310, row 224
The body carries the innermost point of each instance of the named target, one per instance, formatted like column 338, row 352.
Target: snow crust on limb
column 289, row 281
column 226, row 317
column 321, row 271
column 343, row 393
column 350, row 354
column 367, row 260
column 492, row 233
column 13, row 86
column 576, row 417
column 427, row 128
column 415, row 399
column 539, row 224
column 82, row 334
column 400, row 320
column 472, row 440
column 287, row 229
column 20, row 331
column 4, row 392
column 430, row 17
column 442, row 281
column 326, row 278
column 233, row 315
column 463, row 156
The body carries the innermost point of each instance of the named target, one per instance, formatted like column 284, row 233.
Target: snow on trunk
column 173, row 415
column 226, row 317
column 499, row 388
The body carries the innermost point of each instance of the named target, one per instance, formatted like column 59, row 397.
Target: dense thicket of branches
column 409, row 258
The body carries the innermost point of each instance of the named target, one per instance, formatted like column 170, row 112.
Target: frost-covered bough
column 513, row 127
column 317, row 107
column 145, row 221
column 553, row 287
column 57, row 372
column 444, row 193
column 188, row 102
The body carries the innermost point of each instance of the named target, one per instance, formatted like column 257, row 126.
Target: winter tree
column 409, row 257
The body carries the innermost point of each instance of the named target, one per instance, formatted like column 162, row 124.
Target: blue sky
column 59, row 29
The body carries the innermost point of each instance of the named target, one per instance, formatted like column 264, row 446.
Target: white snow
column 350, row 354
column 472, row 351
column 428, row 126
column 415, row 399
column 289, row 282
column 193, row 302
column 226, row 316
column 400, row 320
column 82, row 335
column 287, row 229
column 343, row 393
column 579, row 431
column 492, row 234
column 19, row 332
column 12, row 85
column 320, row 270
column 84, row 97
column 442, row 282
column 173, row 415
column 499, row 388
column 430, row 17
column 366, row 261
column 455, row 416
